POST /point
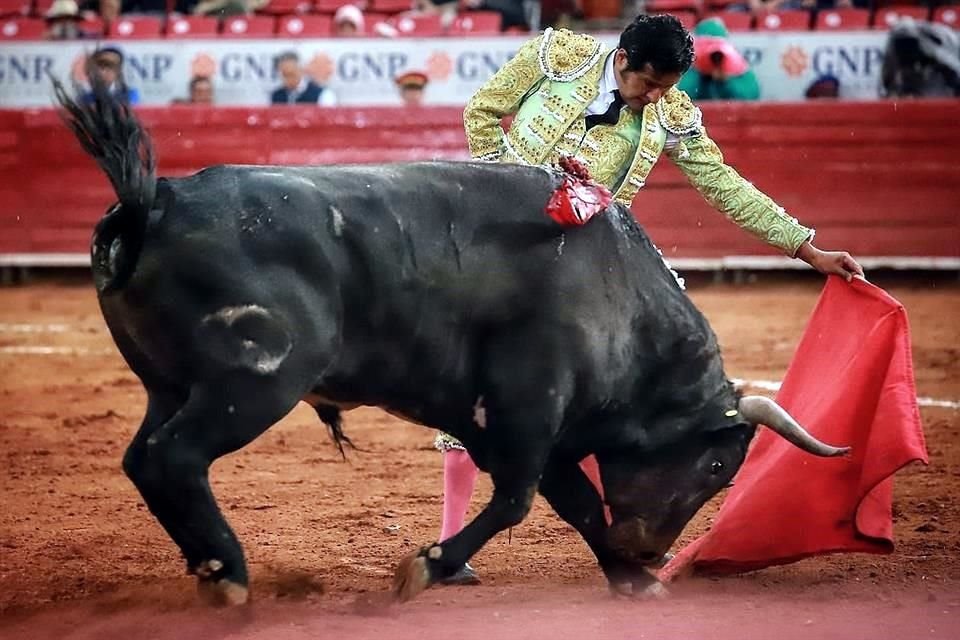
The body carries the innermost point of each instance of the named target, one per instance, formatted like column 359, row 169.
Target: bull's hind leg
column 169, row 463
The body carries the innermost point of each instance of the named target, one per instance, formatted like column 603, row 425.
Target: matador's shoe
column 466, row 575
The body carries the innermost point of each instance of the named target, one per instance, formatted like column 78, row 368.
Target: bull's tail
column 108, row 130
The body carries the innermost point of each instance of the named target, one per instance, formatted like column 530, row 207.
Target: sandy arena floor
column 81, row 557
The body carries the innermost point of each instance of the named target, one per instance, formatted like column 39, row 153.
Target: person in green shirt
column 719, row 71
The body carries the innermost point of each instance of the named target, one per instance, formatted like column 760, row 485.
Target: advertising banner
column 361, row 71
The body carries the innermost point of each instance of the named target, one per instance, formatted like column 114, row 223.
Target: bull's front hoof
column 655, row 591
column 412, row 577
column 629, row 590
column 222, row 593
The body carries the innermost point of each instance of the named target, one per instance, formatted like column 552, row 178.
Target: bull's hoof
column 222, row 593
column 655, row 591
column 412, row 577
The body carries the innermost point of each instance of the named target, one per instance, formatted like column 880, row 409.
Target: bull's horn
column 761, row 410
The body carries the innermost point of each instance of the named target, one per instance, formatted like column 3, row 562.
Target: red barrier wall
column 879, row 178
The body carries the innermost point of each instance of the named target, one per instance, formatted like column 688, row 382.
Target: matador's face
column 638, row 88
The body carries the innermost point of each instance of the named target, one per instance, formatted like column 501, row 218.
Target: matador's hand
column 838, row 263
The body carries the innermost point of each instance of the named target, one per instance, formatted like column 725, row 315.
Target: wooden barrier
column 879, row 179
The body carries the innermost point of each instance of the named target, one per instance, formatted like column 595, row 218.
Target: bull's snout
column 633, row 540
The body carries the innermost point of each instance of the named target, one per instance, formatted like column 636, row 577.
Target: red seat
column 476, row 23
column 304, row 26
column 286, row 7
column 417, row 26
column 949, row 16
column 192, row 27
column 136, row 28
column 842, row 20
column 784, row 21
column 22, row 29
column 248, row 27
column 672, row 6
column 40, row 7
column 93, row 26
column 734, row 20
column 390, row 6
column 722, row 4
column 886, row 18
column 330, row 6
column 14, row 7
column 687, row 18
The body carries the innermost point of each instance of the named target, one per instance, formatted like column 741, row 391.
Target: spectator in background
column 719, row 71
column 63, row 21
column 226, row 8
column 412, row 85
column 107, row 63
column 201, row 90
column 109, row 10
column 824, row 86
column 297, row 88
column 348, row 21
column 921, row 60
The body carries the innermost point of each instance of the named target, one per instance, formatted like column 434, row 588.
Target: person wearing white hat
column 63, row 21
column 348, row 21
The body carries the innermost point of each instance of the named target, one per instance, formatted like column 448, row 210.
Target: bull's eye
column 716, row 467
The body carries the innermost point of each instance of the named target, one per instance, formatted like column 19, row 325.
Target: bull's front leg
column 515, row 453
column 575, row 499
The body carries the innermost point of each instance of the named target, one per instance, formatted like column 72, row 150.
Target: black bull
column 438, row 291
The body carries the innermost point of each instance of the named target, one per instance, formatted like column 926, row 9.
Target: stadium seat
column 687, row 18
column 330, row 6
column 713, row 5
column 21, row 29
column 476, row 23
column 93, row 27
column 287, row 7
column 842, row 20
column 784, row 21
column 40, row 7
column 419, row 26
column 886, row 18
column 192, row 27
column 14, row 7
column 304, row 26
column 136, row 28
column 949, row 16
column 672, row 6
column 390, row 6
column 248, row 27
column 734, row 20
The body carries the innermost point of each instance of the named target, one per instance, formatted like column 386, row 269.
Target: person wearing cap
column 719, row 71
column 412, row 85
column 348, row 21
column 107, row 63
column 63, row 21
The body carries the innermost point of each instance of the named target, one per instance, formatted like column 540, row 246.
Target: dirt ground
column 81, row 557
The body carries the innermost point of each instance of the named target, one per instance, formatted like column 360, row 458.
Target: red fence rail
column 879, row 179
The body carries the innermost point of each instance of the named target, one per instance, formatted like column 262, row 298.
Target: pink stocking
column 459, row 476
column 590, row 467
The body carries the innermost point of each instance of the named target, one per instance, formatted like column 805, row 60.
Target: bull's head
column 652, row 495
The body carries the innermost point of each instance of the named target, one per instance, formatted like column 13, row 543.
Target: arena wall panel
column 876, row 178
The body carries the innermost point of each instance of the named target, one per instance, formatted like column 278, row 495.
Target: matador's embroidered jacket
column 549, row 85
